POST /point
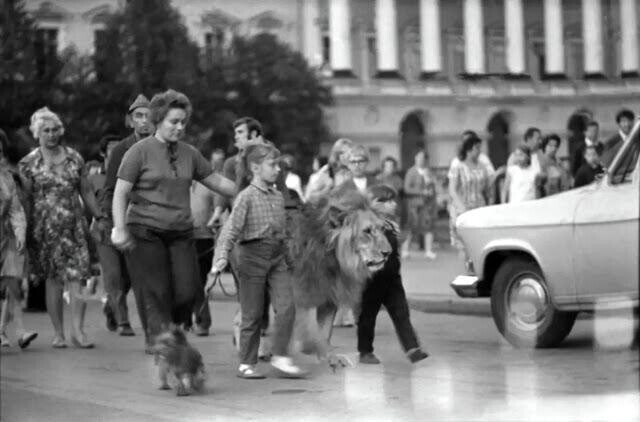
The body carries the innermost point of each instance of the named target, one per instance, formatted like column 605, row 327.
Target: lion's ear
column 336, row 216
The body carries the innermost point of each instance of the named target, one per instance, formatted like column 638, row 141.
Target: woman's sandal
column 58, row 343
column 250, row 373
column 81, row 344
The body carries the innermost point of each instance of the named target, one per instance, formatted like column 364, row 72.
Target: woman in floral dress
column 54, row 180
column 469, row 182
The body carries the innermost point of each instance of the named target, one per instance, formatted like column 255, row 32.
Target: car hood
column 556, row 209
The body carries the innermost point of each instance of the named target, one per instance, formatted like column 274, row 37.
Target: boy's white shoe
column 430, row 255
column 287, row 369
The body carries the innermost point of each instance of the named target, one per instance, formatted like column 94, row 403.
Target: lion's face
column 361, row 246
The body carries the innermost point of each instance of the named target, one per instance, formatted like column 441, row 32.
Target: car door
column 605, row 246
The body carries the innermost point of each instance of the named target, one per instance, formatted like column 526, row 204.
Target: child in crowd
column 520, row 183
column 385, row 288
column 256, row 230
column 12, row 254
column 590, row 169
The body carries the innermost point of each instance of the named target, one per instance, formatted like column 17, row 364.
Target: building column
column 430, row 42
column 474, row 58
column 340, row 38
column 553, row 39
column 311, row 35
column 387, row 39
column 514, row 25
column 629, row 38
column 592, row 38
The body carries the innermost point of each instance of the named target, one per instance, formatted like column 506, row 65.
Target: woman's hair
column 41, row 116
column 163, row 102
column 467, row 145
column 390, row 159
column 548, row 138
column 339, row 147
column 468, row 133
column 526, row 151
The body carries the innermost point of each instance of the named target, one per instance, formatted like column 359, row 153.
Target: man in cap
column 115, row 263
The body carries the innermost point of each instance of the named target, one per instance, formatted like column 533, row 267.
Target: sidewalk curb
column 474, row 307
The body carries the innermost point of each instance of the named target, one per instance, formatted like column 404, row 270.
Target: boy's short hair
column 252, row 125
column 257, row 152
column 528, row 134
column 382, row 193
column 624, row 113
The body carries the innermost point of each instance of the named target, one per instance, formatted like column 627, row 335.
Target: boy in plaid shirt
column 256, row 231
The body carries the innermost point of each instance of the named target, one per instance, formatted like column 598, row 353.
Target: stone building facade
column 413, row 73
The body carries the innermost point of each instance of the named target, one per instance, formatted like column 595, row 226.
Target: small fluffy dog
column 178, row 359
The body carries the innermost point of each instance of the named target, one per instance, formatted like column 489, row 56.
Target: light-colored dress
column 58, row 231
column 12, row 226
column 472, row 186
column 522, row 186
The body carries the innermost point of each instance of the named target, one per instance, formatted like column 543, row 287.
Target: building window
column 46, row 50
column 326, row 49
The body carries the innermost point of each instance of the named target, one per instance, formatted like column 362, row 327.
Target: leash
column 217, row 280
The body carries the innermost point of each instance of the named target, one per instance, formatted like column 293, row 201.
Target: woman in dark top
column 154, row 182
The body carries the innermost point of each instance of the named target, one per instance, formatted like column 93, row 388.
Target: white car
column 543, row 261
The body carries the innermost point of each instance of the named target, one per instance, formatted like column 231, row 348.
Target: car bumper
column 466, row 285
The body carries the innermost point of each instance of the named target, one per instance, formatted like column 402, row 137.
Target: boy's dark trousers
column 261, row 265
column 385, row 288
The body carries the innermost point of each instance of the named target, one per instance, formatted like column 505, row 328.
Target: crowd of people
column 164, row 222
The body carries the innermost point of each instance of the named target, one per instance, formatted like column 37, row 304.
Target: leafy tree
column 147, row 46
column 20, row 84
column 264, row 78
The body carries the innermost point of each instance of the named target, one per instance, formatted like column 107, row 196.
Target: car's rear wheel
column 522, row 309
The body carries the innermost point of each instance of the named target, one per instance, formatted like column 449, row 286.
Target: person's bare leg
column 53, row 297
column 78, row 309
column 428, row 246
column 4, row 314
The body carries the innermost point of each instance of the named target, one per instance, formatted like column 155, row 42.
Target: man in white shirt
column 292, row 181
column 533, row 140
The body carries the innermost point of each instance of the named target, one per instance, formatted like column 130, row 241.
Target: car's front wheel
column 522, row 309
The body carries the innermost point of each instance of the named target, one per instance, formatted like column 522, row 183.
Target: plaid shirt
column 257, row 214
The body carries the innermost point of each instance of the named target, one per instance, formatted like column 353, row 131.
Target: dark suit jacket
column 577, row 159
column 610, row 149
column 115, row 159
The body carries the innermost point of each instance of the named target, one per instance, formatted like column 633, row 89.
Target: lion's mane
column 325, row 265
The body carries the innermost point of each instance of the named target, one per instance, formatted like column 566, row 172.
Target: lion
column 336, row 246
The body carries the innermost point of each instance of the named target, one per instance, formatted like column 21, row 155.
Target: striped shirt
column 257, row 213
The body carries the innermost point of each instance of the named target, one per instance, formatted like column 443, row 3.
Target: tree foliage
column 145, row 48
